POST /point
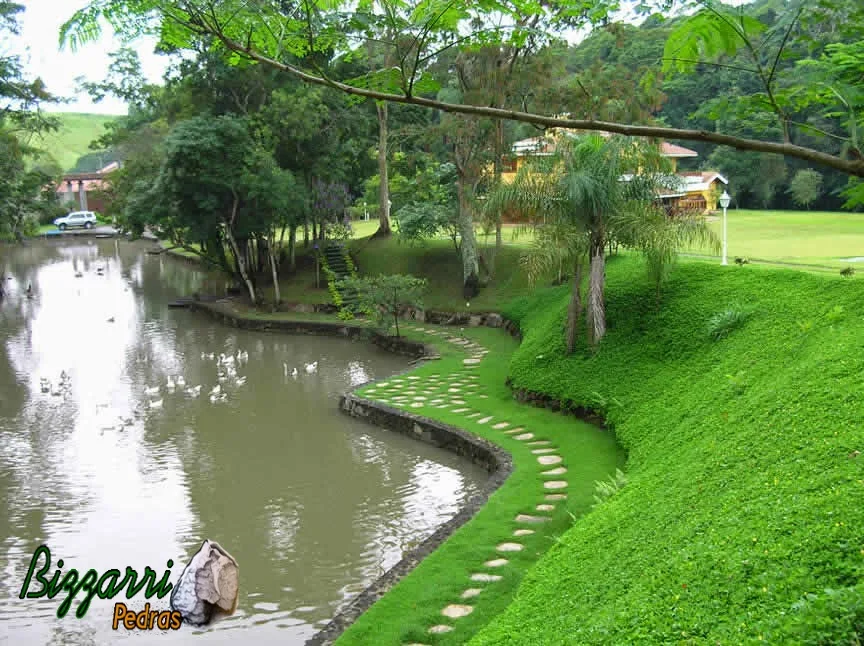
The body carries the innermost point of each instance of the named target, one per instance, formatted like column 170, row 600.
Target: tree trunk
column 574, row 312
column 384, row 186
column 305, row 235
column 470, row 270
column 241, row 264
column 499, row 169
column 292, row 249
column 596, row 306
column 276, row 293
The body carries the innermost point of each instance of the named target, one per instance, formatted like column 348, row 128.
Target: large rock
column 210, row 583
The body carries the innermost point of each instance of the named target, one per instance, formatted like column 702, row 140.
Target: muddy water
column 108, row 474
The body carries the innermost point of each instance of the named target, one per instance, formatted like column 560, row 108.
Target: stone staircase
column 334, row 256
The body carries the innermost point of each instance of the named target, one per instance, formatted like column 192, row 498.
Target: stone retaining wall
column 400, row 346
column 494, row 459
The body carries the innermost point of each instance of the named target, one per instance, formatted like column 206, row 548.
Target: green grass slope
column 742, row 518
column 72, row 139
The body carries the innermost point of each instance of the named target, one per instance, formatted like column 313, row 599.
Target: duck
column 295, row 373
column 156, row 403
column 193, row 391
column 181, row 381
column 45, row 385
column 170, row 385
column 222, row 376
column 216, row 390
column 218, row 398
column 240, row 381
column 78, row 274
column 311, row 367
column 242, row 355
column 127, row 421
column 152, row 391
column 285, row 368
column 111, row 320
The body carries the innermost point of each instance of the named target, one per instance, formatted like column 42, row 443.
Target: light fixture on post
column 724, row 202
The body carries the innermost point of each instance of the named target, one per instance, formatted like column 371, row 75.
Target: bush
column 384, row 297
column 724, row 323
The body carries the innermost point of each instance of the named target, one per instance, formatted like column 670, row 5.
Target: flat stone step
column 470, row 593
column 546, row 460
column 555, row 496
column 514, row 430
column 484, row 420
column 541, row 451
column 456, row 610
column 510, row 547
column 545, row 507
column 525, row 518
column 496, row 563
column 524, row 436
column 555, row 472
column 440, row 628
column 523, row 532
column 555, row 484
column 482, row 577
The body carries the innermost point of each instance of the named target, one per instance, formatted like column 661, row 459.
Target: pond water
column 313, row 504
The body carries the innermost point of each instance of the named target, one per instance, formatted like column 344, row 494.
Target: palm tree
column 590, row 191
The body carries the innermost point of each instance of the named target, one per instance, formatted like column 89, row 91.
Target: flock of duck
column 59, row 389
column 226, row 370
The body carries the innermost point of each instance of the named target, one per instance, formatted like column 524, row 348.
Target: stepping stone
column 525, row 518
column 501, row 425
column 454, row 390
column 484, row 420
column 510, row 547
column 440, row 628
column 482, row 577
column 555, row 472
column 470, row 362
column 545, row 507
column 518, row 429
column 524, row 436
column 460, row 410
column 523, row 532
column 397, row 381
column 549, row 459
column 496, row 562
column 435, row 401
column 413, row 378
column 555, row 484
column 470, row 593
column 539, row 443
column 420, row 398
column 472, row 415
column 555, row 496
column 541, row 451
column 416, row 404
column 455, row 610
column 457, row 401
column 383, row 384
column 483, row 396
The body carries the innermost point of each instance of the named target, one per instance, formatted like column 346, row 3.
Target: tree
column 806, row 187
column 264, row 31
column 386, row 297
column 594, row 189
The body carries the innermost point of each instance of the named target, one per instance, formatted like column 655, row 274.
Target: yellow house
column 699, row 190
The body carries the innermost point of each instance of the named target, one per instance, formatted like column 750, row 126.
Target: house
column 698, row 190
column 83, row 187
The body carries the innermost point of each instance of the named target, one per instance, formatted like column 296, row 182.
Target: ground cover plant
column 740, row 518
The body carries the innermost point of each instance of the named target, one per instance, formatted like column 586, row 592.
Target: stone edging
column 400, row 346
column 496, row 460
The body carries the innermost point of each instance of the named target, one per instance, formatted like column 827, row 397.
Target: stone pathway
column 441, row 391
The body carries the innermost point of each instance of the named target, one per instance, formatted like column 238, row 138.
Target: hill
column 73, row 138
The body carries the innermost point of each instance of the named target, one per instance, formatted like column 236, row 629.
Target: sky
column 38, row 45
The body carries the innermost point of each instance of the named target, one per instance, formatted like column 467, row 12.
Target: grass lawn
column 589, row 454
column 741, row 519
column 795, row 237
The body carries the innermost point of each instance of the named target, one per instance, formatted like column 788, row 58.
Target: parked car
column 86, row 219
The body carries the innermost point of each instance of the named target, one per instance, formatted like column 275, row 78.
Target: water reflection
column 312, row 504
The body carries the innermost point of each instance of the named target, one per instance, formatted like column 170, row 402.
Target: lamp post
column 724, row 202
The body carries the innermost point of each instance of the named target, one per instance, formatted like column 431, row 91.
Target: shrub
column 384, row 297
column 724, row 323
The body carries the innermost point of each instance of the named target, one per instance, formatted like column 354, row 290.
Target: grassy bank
column 72, row 139
column 741, row 521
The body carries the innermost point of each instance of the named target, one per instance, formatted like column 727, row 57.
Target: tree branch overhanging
column 853, row 167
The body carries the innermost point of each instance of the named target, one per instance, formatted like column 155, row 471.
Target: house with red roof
column 697, row 190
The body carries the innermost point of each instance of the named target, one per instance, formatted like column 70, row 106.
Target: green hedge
column 743, row 516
